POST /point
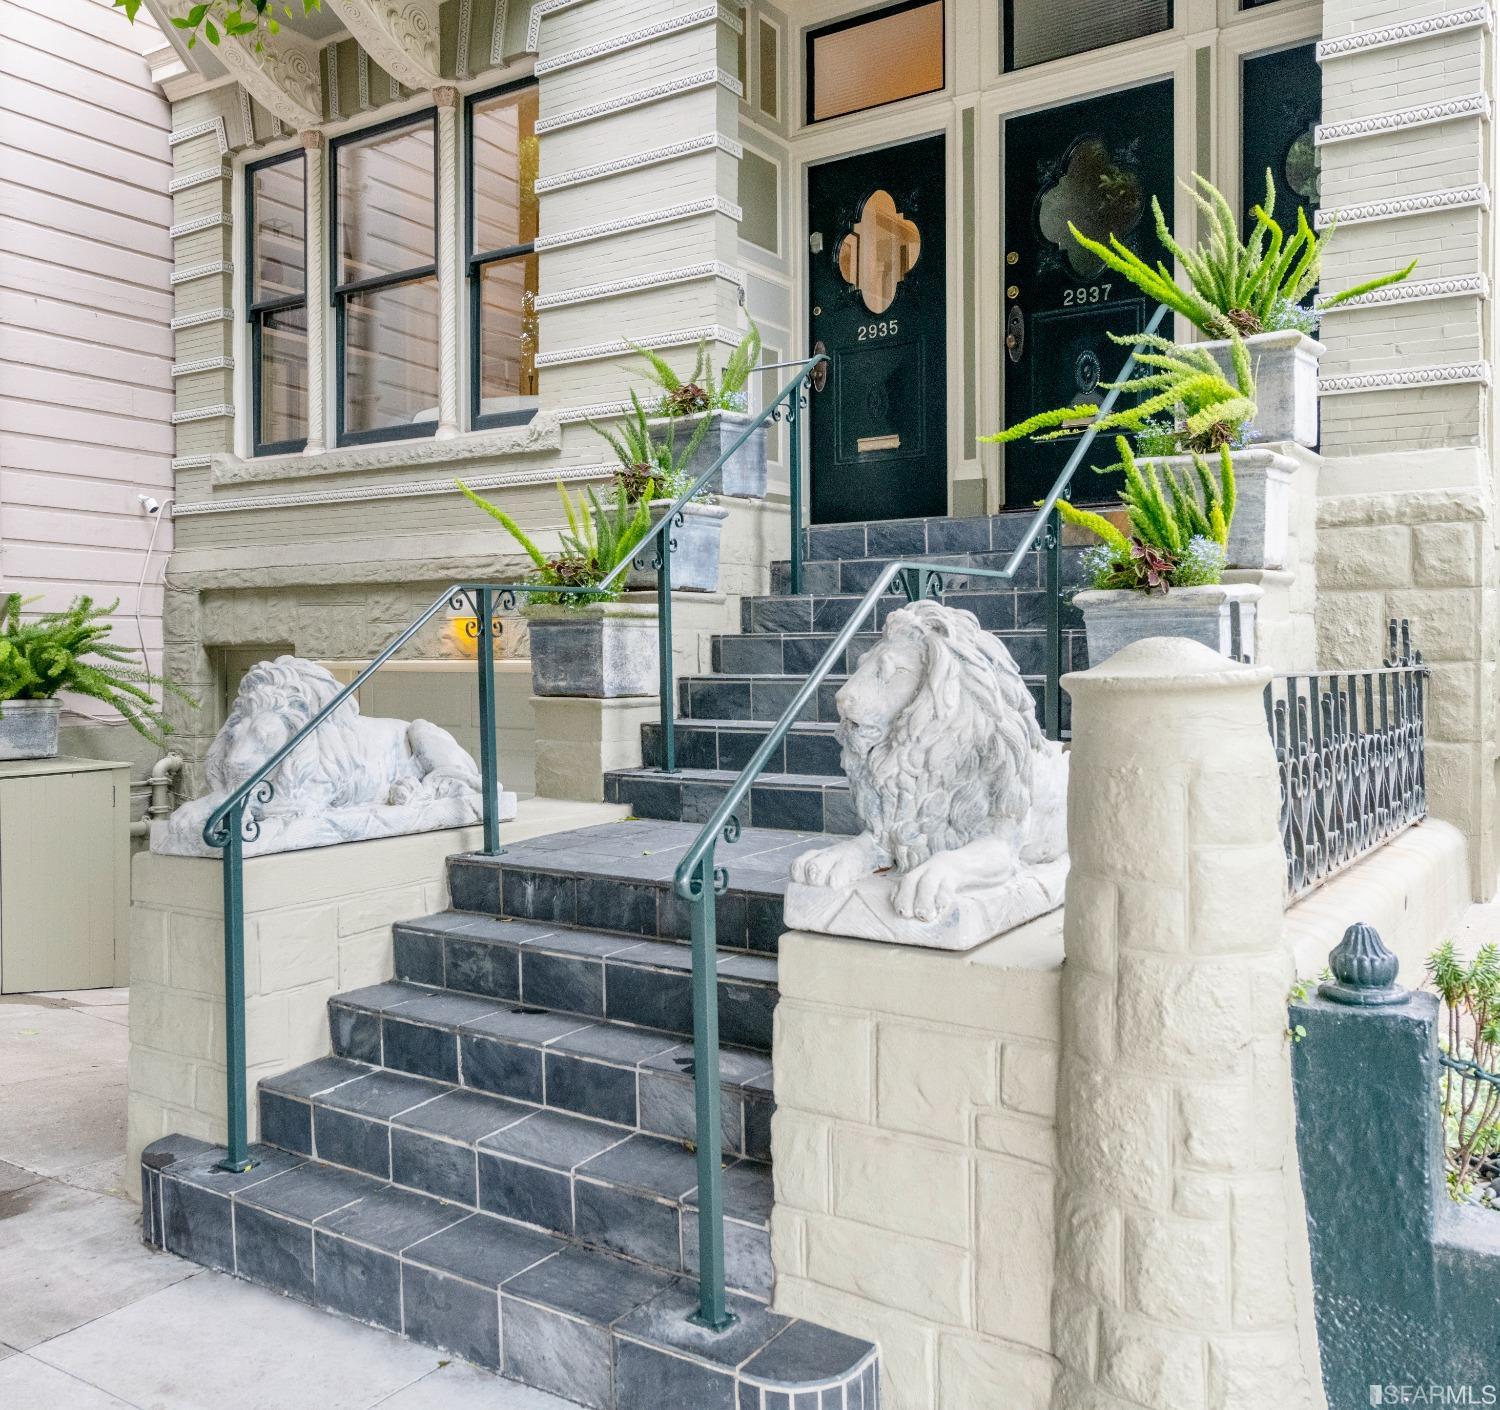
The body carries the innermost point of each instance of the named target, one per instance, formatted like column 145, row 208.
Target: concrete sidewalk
column 90, row 1319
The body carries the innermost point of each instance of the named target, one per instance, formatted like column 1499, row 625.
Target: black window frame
column 477, row 261
column 880, row 12
column 257, row 312
column 340, row 293
column 1008, row 38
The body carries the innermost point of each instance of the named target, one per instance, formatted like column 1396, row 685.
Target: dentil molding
column 618, row 347
column 1401, row 119
column 692, row 19
column 1424, row 203
column 707, row 205
column 1417, row 291
column 685, row 274
column 1406, row 378
column 1407, row 32
column 707, row 142
column 707, row 78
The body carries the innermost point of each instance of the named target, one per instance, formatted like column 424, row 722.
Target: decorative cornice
column 282, row 77
column 202, row 413
column 202, row 177
column 685, row 274
column 1424, row 115
column 618, row 347
column 707, row 205
column 706, row 142
column 207, row 315
column 541, row 434
column 202, row 222
column 539, row 12
column 202, row 364
column 215, row 125
column 192, row 462
column 1408, row 32
column 1424, row 203
column 399, row 35
column 410, row 489
column 707, row 78
column 693, row 19
column 1407, row 378
column 1417, row 291
column 201, row 271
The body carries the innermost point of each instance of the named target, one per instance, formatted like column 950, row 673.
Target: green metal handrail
column 697, row 880
column 231, row 824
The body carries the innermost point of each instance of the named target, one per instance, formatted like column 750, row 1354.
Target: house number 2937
column 1087, row 294
column 884, row 329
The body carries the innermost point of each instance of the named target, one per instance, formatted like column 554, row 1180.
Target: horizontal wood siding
column 85, row 305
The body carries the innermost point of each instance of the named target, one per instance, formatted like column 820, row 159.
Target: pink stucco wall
column 85, row 304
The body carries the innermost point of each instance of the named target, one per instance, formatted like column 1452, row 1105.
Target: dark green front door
column 1281, row 102
column 1096, row 163
column 879, row 435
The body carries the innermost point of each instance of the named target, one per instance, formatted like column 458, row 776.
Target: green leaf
column 197, row 13
column 212, row 31
column 272, row 25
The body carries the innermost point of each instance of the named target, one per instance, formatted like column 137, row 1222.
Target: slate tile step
column 842, row 575
column 904, row 538
column 618, row 877
column 635, row 1078
column 597, row 1184
column 814, row 802
column 767, row 698
column 800, row 653
column 997, row 609
column 809, row 748
column 626, row 978
column 602, row 1331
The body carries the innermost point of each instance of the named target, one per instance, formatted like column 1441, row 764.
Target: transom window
column 874, row 59
column 385, row 292
column 1039, row 30
column 276, row 261
column 501, row 171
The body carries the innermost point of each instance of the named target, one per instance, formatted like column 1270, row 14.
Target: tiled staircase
column 496, row 1159
column 724, row 717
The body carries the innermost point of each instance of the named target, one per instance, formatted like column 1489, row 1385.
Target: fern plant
column 1470, row 1105
column 1236, row 285
column 599, row 538
column 1182, row 382
column 1179, row 530
column 704, row 390
column 71, row 650
column 650, row 468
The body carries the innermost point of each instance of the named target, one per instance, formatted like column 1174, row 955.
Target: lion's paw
column 842, row 864
column 927, row 891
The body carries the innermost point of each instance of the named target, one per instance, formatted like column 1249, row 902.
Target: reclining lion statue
column 353, row 778
column 961, row 800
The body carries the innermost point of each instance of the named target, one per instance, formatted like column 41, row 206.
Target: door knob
column 1015, row 333
column 820, row 372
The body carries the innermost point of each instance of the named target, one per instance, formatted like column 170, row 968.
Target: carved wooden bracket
column 283, row 79
column 399, row 35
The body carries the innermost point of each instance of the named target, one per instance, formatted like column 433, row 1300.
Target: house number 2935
column 884, row 329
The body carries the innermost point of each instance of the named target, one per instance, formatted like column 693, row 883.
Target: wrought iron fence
column 1351, row 747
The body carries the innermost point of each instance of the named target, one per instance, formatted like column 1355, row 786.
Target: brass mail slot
column 865, row 444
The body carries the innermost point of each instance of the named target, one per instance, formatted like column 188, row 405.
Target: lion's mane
column 957, row 763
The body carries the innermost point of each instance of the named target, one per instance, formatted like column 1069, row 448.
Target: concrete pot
column 744, row 474
column 602, row 650
column 1221, row 617
column 28, row 729
column 695, row 551
column 1260, row 535
column 1285, row 365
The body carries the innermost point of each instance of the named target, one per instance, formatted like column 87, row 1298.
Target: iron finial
column 1364, row 970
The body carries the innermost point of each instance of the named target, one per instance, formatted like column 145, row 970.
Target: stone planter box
column 1286, row 384
column 1221, row 617
column 695, row 556
column 1260, row 535
column 602, row 650
column 28, row 729
column 744, row 474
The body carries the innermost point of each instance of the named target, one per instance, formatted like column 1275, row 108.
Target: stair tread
column 729, row 775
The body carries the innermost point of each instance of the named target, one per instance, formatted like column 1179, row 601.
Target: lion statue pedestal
column 353, row 779
column 961, row 800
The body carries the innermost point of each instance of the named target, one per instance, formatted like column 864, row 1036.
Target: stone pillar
column 315, row 155
column 448, row 246
column 1178, row 1221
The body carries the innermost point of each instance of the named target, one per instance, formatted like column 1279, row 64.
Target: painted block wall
column 85, row 350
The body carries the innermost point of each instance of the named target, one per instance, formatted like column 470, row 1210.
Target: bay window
column 500, row 162
column 384, row 275
column 276, row 299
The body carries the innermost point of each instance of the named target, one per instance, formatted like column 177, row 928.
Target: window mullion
column 315, row 149
column 448, row 272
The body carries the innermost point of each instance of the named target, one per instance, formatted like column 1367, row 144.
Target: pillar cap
column 1162, row 661
column 1364, row 970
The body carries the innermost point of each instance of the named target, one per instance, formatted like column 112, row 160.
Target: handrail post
column 713, row 1311
column 794, row 473
column 237, row 1157
column 664, row 662
column 489, row 765
column 1052, row 690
